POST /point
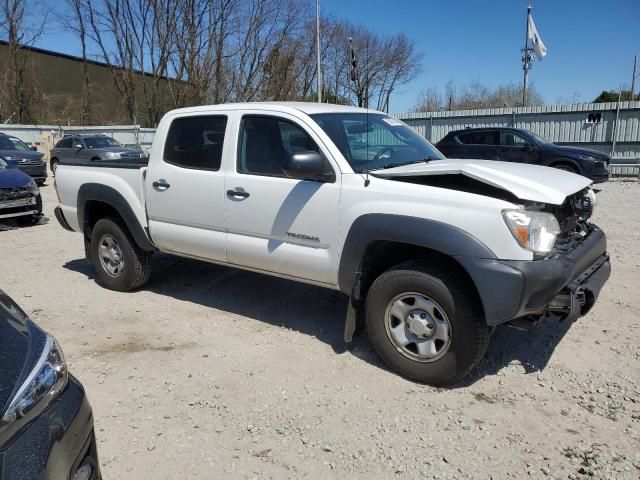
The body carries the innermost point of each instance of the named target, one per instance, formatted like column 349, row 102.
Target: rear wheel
column 426, row 324
column 120, row 264
column 54, row 165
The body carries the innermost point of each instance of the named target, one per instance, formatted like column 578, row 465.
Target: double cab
column 432, row 253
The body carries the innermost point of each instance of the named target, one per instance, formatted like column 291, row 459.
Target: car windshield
column 19, row 144
column 101, row 142
column 373, row 141
column 539, row 139
column 6, row 143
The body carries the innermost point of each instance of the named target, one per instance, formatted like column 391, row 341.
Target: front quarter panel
column 467, row 216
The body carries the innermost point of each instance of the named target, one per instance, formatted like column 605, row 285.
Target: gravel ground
column 209, row 372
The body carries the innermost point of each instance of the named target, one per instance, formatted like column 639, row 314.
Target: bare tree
column 18, row 89
column 474, row 96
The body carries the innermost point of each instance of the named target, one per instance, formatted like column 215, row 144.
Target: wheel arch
column 565, row 161
column 376, row 242
column 97, row 201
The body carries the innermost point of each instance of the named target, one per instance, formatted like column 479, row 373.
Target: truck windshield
column 101, row 142
column 373, row 141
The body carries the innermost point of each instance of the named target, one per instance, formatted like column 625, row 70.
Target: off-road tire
column 137, row 262
column 469, row 331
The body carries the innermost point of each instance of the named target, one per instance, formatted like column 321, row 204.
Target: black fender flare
column 103, row 193
column 420, row 232
column 499, row 286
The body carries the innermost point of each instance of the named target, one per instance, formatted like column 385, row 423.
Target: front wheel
column 120, row 264
column 426, row 324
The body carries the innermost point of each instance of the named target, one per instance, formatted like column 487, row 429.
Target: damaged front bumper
column 566, row 285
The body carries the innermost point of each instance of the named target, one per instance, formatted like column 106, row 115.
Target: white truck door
column 276, row 223
column 185, row 187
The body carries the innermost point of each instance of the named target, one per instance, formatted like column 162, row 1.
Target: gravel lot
column 210, row 372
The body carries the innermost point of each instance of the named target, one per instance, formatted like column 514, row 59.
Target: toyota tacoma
column 432, row 253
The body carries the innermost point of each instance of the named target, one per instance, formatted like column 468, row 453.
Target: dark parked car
column 19, row 195
column 19, row 154
column 83, row 148
column 516, row 145
column 46, row 423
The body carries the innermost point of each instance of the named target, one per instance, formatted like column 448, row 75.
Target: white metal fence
column 609, row 127
column 45, row 136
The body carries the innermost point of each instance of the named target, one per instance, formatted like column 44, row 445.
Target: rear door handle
column 237, row 193
column 160, row 184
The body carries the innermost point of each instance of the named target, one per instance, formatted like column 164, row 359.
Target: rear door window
column 65, row 143
column 488, row 137
column 196, row 142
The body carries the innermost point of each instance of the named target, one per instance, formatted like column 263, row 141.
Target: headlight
column 33, row 187
column 535, row 231
column 47, row 379
column 111, row 155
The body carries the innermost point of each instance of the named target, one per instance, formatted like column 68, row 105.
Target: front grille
column 13, row 193
column 572, row 218
column 568, row 224
column 29, row 163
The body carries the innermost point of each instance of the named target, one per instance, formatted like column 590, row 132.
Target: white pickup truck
column 433, row 253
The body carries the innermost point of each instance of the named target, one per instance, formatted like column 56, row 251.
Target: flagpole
column 526, row 59
column 318, row 44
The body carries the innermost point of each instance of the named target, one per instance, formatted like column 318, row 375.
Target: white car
column 433, row 252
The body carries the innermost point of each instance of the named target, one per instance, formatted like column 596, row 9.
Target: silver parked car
column 81, row 148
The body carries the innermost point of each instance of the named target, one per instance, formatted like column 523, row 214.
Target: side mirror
column 527, row 147
column 33, row 148
column 307, row 166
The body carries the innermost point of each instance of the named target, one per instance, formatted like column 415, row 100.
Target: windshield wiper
column 424, row 160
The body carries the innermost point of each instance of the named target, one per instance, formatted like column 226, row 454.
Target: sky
column 591, row 43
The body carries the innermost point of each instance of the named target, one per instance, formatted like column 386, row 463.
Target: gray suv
column 80, row 148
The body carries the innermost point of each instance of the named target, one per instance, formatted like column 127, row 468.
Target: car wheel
column 120, row 264
column 54, row 165
column 425, row 324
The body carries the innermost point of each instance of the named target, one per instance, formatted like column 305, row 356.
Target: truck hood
column 527, row 182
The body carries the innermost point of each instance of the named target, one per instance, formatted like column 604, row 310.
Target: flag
column 536, row 41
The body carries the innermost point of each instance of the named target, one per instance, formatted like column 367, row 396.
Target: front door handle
column 237, row 193
column 161, row 184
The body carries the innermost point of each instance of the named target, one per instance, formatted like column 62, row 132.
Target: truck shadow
column 317, row 311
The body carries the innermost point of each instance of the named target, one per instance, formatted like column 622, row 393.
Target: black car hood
column 19, row 154
column 575, row 151
column 14, row 347
column 13, row 178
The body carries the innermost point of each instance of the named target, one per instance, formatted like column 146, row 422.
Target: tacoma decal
column 302, row 236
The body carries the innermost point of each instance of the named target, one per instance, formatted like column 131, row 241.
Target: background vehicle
column 516, row 145
column 19, row 154
column 82, row 147
column 19, row 195
column 432, row 252
column 46, row 423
